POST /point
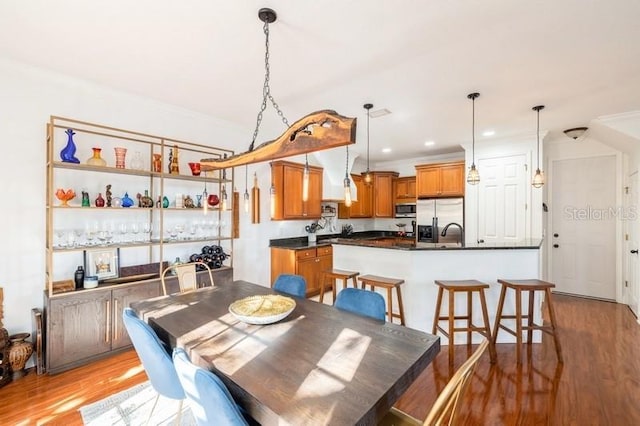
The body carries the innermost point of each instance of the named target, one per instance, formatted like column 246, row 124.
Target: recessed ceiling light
column 379, row 113
column 386, row 150
column 429, row 143
column 488, row 133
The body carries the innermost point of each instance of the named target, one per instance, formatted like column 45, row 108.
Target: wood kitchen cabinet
column 383, row 195
column 406, row 189
column 287, row 180
column 308, row 262
column 363, row 208
column 440, row 180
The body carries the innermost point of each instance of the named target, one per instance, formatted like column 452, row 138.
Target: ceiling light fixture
column 538, row 179
column 246, row 189
column 347, row 183
column 367, row 176
column 488, row 133
column 576, row 132
column 386, row 150
column 305, row 179
column 429, row 143
column 314, row 132
column 473, row 177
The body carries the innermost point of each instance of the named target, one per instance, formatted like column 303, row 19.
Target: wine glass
column 179, row 229
column 60, row 234
column 135, row 229
column 146, row 230
column 123, row 232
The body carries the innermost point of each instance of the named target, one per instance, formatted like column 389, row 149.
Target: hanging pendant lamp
column 305, row 179
column 246, row 189
column 473, row 177
column 347, row 183
column 367, row 176
column 538, row 178
column 316, row 131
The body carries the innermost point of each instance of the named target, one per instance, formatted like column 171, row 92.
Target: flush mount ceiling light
column 576, row 132
column 315, row 132
column 386, row 150
column 538, row 179
column 367, row 176
column 429, row 143
column 473, row 177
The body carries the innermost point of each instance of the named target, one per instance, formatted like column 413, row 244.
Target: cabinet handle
column 106, row 334
column 317, row 259
column 115, row 319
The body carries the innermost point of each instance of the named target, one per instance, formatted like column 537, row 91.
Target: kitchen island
column 419, row 264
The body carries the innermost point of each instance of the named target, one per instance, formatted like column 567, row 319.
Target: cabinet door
column 383, row 195
column 122, row 298
column 313, row 207
column 308, row 269
column 292, row 206
column 452, row 180
column 78, row 328
column 411, row 188
column 428, row 182
column 401, row 188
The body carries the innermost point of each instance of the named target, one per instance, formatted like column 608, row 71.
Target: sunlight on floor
column 130, row 373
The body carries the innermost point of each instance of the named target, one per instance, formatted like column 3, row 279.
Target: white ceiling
column 417, row 58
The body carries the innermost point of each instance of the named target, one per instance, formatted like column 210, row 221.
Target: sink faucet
column 446, row 228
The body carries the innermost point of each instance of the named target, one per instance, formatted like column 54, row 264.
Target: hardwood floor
column 598, row 384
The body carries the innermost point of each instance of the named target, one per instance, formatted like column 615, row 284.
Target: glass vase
column 120, row 155
column 69, row 151
column 96, row 159
column 136, row 162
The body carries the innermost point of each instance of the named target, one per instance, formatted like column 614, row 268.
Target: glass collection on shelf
column 157, row 179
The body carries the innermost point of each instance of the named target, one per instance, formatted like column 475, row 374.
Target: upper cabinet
column 363, row 208
column 383, row 197
column 440, row 180
column 406, row 189
column 287, row 180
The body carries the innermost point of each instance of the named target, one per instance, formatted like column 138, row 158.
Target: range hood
column 333, row 163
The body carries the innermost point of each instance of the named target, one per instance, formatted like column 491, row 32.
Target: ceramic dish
column 264, row 309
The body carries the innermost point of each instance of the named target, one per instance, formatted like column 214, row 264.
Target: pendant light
column 305, row 180
column 538, row 179
column 246, row 189
column 347, row 183
column 272, row 197
column 367, row 176
column 473, row 177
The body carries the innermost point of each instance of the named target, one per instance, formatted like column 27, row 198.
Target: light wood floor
column 598, row 384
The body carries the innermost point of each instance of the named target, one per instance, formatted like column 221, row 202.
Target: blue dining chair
column 294, row 285
column 155, row 359
column 362, row 302
column 209, row 399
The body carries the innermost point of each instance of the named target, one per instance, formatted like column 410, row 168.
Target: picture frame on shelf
column 102, row 262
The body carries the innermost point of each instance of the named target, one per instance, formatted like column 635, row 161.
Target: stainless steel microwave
column 405, row 210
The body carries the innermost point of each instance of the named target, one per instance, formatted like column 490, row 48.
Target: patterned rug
column 132, row 407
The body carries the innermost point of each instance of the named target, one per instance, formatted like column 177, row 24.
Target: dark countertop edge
column 360, row 239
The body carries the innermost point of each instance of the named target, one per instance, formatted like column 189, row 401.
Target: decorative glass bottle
column 69, row 151
column 120, row 155
column 136, row 161
column 100, row 200
column 96, row 159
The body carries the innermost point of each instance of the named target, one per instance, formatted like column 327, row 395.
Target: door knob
column 634, row 251
column 556, row 246
column 556, row 235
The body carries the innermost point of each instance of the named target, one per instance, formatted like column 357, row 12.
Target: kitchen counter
column 390, row 240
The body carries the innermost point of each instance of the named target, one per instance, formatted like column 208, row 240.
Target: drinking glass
column 135, row 229
column 123, row 232
column 146, row 230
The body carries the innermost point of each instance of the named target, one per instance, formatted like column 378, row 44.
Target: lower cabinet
column 308, row 262
column 86, row 325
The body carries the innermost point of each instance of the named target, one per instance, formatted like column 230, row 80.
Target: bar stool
column 389, row 283
column 470, row 287
column 531, row 286
column 337, row 274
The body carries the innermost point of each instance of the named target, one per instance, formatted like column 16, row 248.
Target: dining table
column 318, row 366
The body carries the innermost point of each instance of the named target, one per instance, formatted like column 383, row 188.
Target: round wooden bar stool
column 530, row 286
column 337, row 274
column 374, row 281
column 470, row 287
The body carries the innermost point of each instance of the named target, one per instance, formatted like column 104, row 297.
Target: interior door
column 502, row 198
column 583, row 226
column 633, row 289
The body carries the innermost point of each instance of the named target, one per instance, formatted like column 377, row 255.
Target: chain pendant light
column 367, row 176
column 473, row 177
column 347, row 183
column 305, row 180
column 246, row 189
column 538, row 178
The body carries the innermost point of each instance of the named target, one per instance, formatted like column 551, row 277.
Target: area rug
column 132, row 407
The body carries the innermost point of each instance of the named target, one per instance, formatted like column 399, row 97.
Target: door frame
column 627, row 248
column 621, row 182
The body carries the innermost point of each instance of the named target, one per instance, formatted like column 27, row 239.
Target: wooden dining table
column 318, row 366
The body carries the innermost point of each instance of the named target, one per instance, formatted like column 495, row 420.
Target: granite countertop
column 391, row 240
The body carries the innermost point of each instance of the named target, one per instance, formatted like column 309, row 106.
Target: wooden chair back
column 187, row 277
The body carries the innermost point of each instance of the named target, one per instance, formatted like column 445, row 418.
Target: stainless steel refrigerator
column 434, row 214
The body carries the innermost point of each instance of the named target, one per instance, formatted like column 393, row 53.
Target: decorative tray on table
column 264, row 309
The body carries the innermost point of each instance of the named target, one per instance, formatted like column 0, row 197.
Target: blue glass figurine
column 68, row 152
column 126, row 200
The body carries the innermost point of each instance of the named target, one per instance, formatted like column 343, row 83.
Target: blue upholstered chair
column 155, row 359
column 361, row 302
column 295, row 285
column 210, row 400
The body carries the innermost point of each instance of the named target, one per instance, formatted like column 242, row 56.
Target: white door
column 583, row 226
column 633, row 289
column 501, row 196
